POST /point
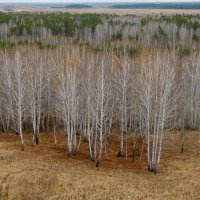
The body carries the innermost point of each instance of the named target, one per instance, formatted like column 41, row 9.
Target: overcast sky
column 93, row 1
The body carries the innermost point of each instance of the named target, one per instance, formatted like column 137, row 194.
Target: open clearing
column 45, row 172
column 38, row 9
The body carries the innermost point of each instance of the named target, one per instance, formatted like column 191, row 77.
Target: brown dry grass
column 104, row 11
column 45, row 172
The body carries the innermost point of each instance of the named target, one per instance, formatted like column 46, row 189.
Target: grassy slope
column 45, row 172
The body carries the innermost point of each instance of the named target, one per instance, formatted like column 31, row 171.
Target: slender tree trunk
column 21, row 138
column 121, row 144
column 199, row 144
column 183, row 133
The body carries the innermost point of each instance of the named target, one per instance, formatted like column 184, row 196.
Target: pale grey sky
column 93, row 1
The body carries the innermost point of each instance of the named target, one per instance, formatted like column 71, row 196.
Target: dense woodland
column 88, row 74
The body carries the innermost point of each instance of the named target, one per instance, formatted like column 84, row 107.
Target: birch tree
column 192, row 90
column 123, row 79
column 67, row 99
column 36, row 95
column 88, row 83
column 6, row 92
column 18, row 94
column 102, row 106
column 157, row 95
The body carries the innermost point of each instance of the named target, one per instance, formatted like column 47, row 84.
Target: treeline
column 181, row 5
column 78, row 6
column 94, row 29
column 40, row 25
column 180, row 33
column 75, row 6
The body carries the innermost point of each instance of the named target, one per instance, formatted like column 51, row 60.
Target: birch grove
column 99, row 79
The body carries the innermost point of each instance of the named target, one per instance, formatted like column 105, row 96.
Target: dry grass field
column 37, row 9
column 46, row 172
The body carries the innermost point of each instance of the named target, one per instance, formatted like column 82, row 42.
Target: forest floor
column 47, row 172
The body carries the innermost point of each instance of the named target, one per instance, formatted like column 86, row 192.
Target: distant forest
column 75, row 6
column 78, row 6
column 192, row 5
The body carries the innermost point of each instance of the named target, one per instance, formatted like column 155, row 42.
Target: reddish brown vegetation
column 48, row 151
